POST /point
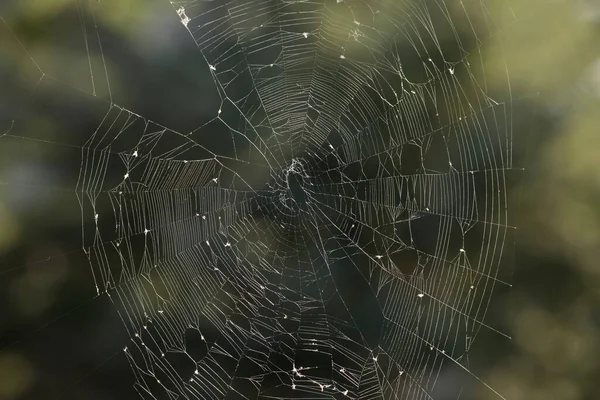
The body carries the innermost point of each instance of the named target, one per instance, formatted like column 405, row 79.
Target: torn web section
column 165, row 254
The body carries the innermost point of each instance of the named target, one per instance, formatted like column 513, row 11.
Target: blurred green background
column 548, row 49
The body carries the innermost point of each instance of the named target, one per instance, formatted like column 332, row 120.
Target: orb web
column 331, row 225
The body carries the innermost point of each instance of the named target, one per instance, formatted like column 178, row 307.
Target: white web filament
column 341, row 236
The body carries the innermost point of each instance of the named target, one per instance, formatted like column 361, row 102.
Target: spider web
column 333, row 227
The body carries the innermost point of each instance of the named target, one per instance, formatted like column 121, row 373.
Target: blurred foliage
column 549, row 49
column 553, row 50
column 16, row 374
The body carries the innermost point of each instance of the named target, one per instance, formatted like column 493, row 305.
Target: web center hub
column 295, row 181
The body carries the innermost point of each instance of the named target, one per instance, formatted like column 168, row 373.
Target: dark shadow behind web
column 270, row 200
